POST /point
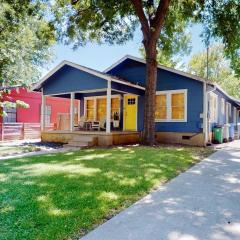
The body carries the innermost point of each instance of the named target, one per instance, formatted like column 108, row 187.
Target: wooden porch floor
column 102, row 138
column 89, row 132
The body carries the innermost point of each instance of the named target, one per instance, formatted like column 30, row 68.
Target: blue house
column 112, row 104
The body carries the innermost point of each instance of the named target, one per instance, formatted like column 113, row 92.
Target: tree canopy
column 172, row 56
column 220, row 70
column 222, row 22
column 114, row 22
column 25, row 41
column 25, row 45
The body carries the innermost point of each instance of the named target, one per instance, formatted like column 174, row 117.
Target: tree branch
column 74, row 1
column 150, row 5
column 158, row 21
column 142, row 17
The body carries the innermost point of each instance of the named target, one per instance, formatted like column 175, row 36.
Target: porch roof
column 70, row 77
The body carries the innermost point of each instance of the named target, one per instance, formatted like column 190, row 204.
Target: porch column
column 43, row 112
column 72, row 112
column 108, row 117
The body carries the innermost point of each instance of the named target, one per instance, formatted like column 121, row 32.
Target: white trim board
column 86, row 91
column 85, row 69
column 90, row 91
column 103, row 96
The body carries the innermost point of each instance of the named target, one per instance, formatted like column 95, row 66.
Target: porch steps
column 82, row 141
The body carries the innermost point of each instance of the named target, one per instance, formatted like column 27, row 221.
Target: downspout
column 205, row 100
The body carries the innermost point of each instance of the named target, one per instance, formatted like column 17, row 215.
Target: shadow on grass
column 61, row 195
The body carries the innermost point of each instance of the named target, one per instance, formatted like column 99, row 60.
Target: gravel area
column 16, row 148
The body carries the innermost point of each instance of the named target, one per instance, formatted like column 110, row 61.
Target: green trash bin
column 218, row 134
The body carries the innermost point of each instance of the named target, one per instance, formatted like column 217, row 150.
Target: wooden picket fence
column 20, row 131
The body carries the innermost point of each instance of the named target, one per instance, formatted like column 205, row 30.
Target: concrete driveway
column 200, row 204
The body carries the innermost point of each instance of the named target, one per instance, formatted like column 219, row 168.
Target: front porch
column 108, row 112
column 92, row 138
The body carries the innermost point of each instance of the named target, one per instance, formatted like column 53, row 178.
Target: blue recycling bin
column 231, row 132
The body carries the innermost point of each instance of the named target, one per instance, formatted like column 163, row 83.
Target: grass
column 12, row 150
column 64, row 195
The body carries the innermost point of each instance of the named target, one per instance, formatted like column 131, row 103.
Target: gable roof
column 94, row 72
column 182, row 73
column 159, row 66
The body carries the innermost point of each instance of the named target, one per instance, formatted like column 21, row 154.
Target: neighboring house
column 55, row 107
column 187, row 107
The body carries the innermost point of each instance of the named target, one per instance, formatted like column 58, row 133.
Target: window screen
column 11, row 115
column 161, row 106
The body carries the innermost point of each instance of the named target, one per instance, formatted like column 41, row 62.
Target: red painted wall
column 34, row 99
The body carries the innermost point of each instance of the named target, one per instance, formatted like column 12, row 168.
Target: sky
column 100, row 57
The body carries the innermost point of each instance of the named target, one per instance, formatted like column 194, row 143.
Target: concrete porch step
column 82, row 141
column 84, row 138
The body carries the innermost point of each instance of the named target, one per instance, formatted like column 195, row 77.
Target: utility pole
column 207, row 42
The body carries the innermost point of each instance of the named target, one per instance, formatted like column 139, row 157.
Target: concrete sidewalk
column 200, row 204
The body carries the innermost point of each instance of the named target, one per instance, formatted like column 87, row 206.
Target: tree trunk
column 151, row 28
column 150, row 92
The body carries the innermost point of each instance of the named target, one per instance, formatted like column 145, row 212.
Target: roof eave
column 237, row 101
column 38, row 86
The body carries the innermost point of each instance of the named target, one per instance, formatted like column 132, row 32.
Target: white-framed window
column 213, row 105
column 223, row 106
column 95, row 108
column 229, row 109
column 171, row 106
column 234, row 115
column 226, row 115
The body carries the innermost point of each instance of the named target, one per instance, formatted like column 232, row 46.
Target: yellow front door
column 130, row 112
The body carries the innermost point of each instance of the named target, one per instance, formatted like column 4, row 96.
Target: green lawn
column 64, row 195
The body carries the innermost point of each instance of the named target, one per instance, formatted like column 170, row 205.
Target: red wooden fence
column 19, row 131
